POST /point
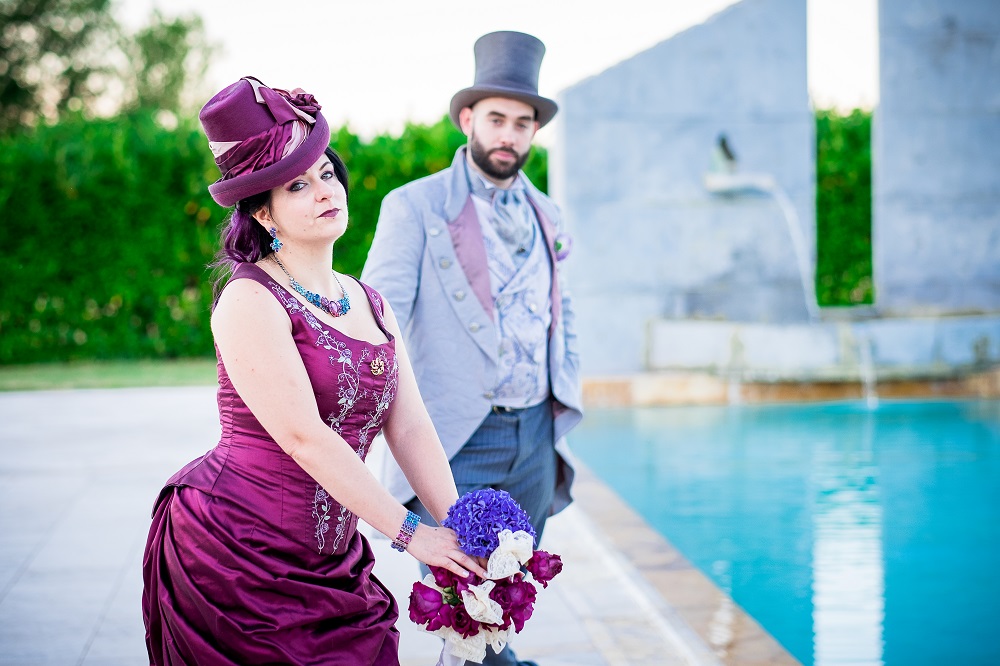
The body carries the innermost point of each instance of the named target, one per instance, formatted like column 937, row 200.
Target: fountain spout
column 747, row 183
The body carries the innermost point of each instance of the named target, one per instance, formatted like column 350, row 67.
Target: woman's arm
column 414, row 441
column 253, row 335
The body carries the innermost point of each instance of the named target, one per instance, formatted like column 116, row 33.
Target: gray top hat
column 507, row 65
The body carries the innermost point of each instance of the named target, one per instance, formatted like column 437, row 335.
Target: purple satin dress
column 249, row 560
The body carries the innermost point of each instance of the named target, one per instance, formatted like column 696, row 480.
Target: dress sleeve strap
column 378, row 307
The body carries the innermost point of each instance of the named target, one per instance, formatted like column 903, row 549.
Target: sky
column 376, row 64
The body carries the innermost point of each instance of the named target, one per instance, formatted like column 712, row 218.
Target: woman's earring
column 275, row 244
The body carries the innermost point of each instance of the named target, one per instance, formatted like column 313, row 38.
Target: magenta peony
column 425, row 603
column 543, row 566
column 444, row 618
column 520, row 595
column 444, row 578
column 463, row 623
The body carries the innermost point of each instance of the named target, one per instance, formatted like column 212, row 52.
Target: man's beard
column 481, row 158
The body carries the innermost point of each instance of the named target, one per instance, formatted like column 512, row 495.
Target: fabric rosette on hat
column 472, row 614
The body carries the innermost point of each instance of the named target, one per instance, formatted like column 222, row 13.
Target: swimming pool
column 854, row 536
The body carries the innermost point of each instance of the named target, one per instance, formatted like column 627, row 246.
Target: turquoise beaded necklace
column 337, row 308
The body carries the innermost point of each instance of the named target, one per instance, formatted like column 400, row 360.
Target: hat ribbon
column 283, row 105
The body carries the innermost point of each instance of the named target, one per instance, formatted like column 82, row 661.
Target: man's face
column 500, row 131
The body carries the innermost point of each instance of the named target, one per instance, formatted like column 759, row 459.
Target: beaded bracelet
column 406, row 531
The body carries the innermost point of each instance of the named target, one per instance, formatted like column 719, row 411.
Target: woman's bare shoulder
column 245, row 301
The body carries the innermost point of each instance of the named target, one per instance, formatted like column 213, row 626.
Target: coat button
column 434, row 231
column 459, row 295
column 445, row 263
column 474, row 327
column 532, row 307
column 488, row 395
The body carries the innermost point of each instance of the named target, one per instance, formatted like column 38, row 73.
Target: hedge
column 843, row 208
column 110, row 229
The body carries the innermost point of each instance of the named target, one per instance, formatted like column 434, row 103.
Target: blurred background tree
column 53, row 57
column 72, row 56
column 167, row 60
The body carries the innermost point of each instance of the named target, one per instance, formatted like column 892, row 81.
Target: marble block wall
column 633, row 146
column 936, row 161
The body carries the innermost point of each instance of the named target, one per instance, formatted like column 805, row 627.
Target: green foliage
column 843, row 208
column 115, row 229
column 109, row 246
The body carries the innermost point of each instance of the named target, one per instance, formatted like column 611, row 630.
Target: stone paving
column 78, row 474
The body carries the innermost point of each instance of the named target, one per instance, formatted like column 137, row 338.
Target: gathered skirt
column 223, row 587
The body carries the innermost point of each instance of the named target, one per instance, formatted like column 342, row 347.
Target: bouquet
column 471, row 613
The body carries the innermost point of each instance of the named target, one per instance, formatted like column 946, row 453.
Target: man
column 467, row 260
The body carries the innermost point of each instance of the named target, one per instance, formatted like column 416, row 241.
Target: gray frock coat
column 428, row 261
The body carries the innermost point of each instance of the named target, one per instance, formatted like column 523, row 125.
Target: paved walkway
column 78, row 474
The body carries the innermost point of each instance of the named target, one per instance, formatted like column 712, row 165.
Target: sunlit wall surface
column 635, row 144
column 936, row 167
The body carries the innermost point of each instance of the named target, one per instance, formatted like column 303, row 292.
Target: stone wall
column 936, row 162
column 635, row 143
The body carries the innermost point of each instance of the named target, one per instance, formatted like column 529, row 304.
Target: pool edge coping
column 711, row 615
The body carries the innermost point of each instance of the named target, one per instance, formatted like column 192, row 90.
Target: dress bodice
column 354, row 383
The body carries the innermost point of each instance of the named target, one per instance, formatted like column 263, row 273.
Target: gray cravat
column 510, row 215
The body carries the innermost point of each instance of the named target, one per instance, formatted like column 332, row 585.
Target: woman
column 254, row 555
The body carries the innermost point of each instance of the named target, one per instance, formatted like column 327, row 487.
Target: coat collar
column 467, row 235
column 458, row 190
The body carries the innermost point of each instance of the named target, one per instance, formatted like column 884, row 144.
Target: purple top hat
column 507, row 65
column 261, row 137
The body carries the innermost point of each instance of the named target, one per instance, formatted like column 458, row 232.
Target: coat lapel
column 467, row 237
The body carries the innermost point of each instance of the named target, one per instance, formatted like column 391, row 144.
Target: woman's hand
column 438, row 546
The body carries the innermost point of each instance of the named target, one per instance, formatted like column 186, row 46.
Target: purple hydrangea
column 478, row 517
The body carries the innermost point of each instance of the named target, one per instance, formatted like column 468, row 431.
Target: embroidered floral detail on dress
column 383, row 402
column 348, row 382
column 321, row 512
column 350, row 392
column 343, row 521
column 377, row 305
column 323, row 337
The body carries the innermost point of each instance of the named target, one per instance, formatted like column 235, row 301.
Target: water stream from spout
column 866, row 366
column 799, row 246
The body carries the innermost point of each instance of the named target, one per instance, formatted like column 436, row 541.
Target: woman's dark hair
column 243, row 239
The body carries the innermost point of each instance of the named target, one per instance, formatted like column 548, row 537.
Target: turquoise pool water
column 854, row 536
